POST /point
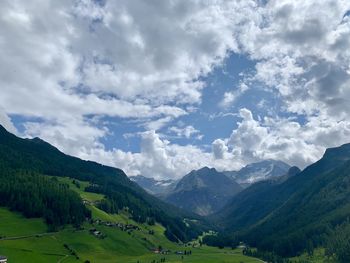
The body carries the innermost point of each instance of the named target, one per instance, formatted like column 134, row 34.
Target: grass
column 11, row 224
column 91, row 197
column 117, row 246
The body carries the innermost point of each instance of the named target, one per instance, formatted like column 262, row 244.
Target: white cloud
column 157, row 158
column 186, row 132
column 6, row 122
column 143, row 60
column 301, row 49
column 65, row 60
column 219, row 149
column 231, row 96
column 75, row 136
column 158, row 124
column 285, row 139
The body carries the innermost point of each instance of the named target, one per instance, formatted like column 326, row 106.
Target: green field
column 27, row 240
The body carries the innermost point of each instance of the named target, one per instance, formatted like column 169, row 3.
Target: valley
column 58, row 208
column 151, row 131
column 27, row 240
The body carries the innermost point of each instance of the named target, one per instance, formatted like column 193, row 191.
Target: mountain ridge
column 36, row 155
column 286, row 216
column 203, row 191
column 258, row 171
column 153, row 186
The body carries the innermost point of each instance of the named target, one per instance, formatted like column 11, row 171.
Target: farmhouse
column 242, row 245
column 3, row 259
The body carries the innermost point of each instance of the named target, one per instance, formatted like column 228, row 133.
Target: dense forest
column 35, row 156
column 294, row 216
column 35, row 195
column 338, row 243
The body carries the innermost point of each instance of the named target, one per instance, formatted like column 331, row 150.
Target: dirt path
column 63, row 259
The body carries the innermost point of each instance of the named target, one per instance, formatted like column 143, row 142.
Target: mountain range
column 258, row 171
column 153, row 186
column 39, row 160
column 206, row 191
column 203, row 191
column 287, row 216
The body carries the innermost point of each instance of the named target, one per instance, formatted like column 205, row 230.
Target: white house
column 3, row 259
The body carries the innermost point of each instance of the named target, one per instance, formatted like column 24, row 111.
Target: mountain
column 254, row 203
column 287, row 216
column 153, row 186
column 259, row 171
column 26, row 158
column 203, row 191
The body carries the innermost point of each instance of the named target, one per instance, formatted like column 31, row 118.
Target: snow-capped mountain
column 254, row 172
column 153, row 186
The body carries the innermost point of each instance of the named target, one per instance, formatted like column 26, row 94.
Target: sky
column 159, row 88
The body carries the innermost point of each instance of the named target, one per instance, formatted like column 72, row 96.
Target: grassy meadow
column 27, row 240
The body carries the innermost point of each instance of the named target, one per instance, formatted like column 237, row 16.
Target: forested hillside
column 35, row 195
column 26, row 157
column 292, row 216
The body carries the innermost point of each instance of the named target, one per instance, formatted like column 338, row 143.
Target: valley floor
column 26, row 240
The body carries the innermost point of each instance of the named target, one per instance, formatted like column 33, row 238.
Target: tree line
column 37, row 156
column 36, row 195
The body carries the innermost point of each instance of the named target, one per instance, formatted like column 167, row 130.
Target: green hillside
column 27, row 240
column 293, row 216
column 58, row 208
column 35, row 156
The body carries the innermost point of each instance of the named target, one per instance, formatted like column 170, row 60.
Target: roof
column 3, row 257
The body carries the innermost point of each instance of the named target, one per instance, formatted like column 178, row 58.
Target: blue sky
column 161, row 88
column 210, row 119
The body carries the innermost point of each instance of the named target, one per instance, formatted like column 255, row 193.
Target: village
column 129, row 228
column 124, row 227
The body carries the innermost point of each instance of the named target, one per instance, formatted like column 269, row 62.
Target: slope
column 255, row 172
column 283, row 217
column 203, row 191
column 26, row 240
column 37, row 156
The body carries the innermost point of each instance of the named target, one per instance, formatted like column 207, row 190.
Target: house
column 242, row 245
column 3, row 259
column 96, row 233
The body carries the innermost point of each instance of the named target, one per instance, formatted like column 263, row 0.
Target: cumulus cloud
column 219, row 149
column 76, row 137
column 249, row 135
column 231, row 96
column 158, row 158
column 71, row 59
column 66, row 61
column 301, row 53
column 285, row 139
column 6, row 122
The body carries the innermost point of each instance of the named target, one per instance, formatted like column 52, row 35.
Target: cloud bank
column 68, row 65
